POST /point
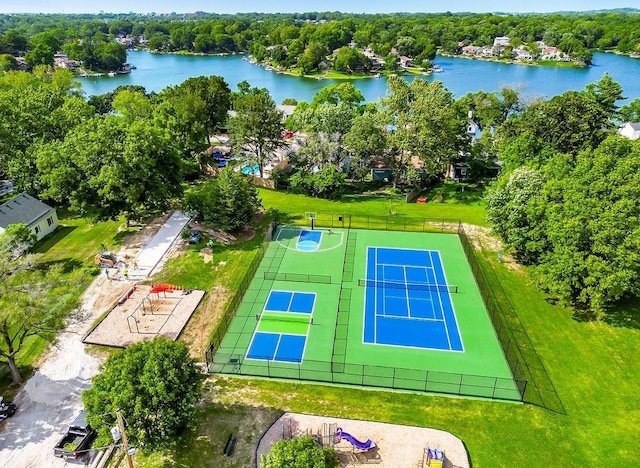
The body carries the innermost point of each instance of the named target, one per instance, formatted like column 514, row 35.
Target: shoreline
column 547, row 63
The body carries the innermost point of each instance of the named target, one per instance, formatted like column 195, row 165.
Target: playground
column 370, row 443
column 397, row 310
column 144, row 312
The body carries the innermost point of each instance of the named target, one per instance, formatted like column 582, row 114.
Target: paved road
column 155, row 250
column 51, row 399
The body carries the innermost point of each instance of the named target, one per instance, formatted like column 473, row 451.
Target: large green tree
column 228, row 203
column 424, row 123
column 33, row 301
column 516, row 211
column 113, row 166
column 593, row 231
column 256, row 125
column 155, row 384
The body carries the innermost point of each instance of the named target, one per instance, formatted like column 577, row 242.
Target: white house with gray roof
column 630, row 130
column 24, row 209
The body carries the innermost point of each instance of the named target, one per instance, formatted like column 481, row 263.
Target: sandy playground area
column 145, row 315
column 396, row 446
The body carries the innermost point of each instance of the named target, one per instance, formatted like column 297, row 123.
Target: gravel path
column 397, row 446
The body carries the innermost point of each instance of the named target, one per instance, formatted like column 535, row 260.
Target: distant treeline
column 288, row 39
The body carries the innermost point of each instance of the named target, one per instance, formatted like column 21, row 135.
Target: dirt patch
column 204, row 320
column 206, row 254
column 246, row 235
column 217, row 424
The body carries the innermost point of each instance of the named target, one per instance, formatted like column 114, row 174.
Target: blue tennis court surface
column 309, row 241
column 279, row 344
column 407, row 300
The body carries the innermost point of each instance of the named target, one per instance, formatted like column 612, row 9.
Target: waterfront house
column 24, row 209
column 405, row 61
column 471, row 50
column 522, row 54
column 630, row 130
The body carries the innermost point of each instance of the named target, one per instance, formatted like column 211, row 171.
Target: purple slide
column 368, row 445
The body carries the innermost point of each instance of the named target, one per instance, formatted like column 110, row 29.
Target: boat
column 437, row 69
column 111, row 73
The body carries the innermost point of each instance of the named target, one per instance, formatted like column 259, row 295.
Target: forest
column 303, row 41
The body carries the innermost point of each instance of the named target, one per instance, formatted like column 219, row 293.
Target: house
column 501, row 41
column 24, row 209
column 630, row 130
column 471, row 50
column 522, row 54
column 405, row 61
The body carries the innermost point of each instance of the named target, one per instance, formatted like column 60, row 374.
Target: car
column 77, row 441
column 7, row 409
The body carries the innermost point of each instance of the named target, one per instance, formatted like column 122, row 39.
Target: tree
column 302, row 452
column 630, row 112
column 114, row 166
column 33, row 302
column 257, row 125
column 155, row 384
column 335, row 93
column 8, row 62
column 606, row 93
column 593, row 258
column 365, row 140
column 514, row 211
column 228, row 203
column 425, row 124
column 200, row 105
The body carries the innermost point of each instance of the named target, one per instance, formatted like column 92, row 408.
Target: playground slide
column 368, row 445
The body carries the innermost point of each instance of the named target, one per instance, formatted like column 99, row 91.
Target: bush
column 299, row 453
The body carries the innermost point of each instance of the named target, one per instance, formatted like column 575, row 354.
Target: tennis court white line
column 455, row 316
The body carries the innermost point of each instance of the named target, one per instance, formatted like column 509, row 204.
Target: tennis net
column 290, row 317
column 369, row 283
column 297, row 277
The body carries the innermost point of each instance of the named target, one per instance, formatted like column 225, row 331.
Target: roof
column 24, row 209
column 634, row 125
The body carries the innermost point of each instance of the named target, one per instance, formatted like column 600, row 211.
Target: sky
column 289, row 6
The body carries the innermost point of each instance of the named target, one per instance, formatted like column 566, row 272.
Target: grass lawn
column 445, row 201
column 74, row 243
column 593, row 366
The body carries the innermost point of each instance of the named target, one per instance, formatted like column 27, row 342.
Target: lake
column 460, row 76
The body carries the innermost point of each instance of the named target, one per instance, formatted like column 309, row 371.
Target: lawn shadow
column 624, row 314
column 51, row 240
column 461, row 193
column 68, row 264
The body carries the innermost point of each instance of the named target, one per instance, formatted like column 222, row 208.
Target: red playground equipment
column 162, row 287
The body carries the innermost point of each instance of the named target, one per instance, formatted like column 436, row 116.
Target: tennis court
column 408, row 302
column 368, row 308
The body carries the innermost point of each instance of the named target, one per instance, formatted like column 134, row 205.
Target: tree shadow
column 52, row 240
column 624, row 314
column 68, row 264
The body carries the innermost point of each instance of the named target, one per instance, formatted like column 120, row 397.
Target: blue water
column 251, row 170
column 460, row 76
